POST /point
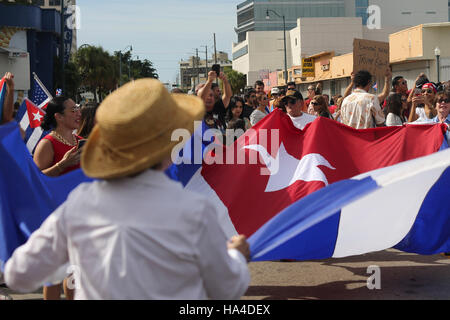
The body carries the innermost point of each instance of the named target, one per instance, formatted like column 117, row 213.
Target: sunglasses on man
column 429, row 91
column 444, row 100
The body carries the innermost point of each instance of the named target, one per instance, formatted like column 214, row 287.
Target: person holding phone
column 221, row 102
column 423, row 105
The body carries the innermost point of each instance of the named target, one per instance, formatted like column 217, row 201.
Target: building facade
column 319, row 26
column 195, row 70
column 412, row 51
column 251, row 14
column 29, row 43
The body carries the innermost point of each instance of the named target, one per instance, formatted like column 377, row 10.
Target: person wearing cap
column 291, row 85
column 274, row 93
column 133, row 233
column 294, row 104
column 423, row 105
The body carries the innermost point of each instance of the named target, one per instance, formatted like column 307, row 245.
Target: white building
column 364, row 19
column 262, row 50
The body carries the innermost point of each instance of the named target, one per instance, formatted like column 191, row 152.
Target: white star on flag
column 37, row 116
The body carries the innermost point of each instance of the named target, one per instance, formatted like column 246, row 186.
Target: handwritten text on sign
column 372, row 56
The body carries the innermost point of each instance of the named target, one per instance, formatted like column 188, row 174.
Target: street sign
column 308, row 68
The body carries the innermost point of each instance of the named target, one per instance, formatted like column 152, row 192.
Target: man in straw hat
column 135, row 234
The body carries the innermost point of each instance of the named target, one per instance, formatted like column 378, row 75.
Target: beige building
column 412, row 51
column 263, row 52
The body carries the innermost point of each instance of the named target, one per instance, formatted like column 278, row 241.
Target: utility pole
column 197, row 69
column 61, row 55
column 206, row 61
column 215, row 50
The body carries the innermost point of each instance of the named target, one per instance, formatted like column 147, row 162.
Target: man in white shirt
column 361, row 110
column 294, row 104
column 134, row 233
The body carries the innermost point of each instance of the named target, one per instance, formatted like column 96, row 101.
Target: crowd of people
column 396, row 105
column 121, row 158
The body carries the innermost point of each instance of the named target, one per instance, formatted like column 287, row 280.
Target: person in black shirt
column 250, row 103
column 213, row 116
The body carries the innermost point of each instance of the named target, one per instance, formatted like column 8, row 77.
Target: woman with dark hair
column 396, row 104
column 87, row 119
column 234, row 112
column 319, row 107
column 57, row 152
column 260, row 112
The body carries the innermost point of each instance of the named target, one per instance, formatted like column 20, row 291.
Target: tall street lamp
column 284, row 33
column 120, row 63
column 437, row 53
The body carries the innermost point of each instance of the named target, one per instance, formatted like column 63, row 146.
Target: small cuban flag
column 58, row 92
column 35, row 114
column 375, row 87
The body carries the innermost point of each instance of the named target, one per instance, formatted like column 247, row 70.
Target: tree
column 135, row 69
column 237, row 80
column 98, row 70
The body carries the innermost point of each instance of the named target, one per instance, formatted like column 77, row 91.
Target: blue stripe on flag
column 27, row 196
column 184, row 172
column 308, row 228
column 429, row 233
column 21, row 112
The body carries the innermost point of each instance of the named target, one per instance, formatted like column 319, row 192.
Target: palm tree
column 97, row 70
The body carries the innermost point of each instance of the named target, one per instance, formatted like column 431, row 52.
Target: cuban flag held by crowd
column 310, row 202
column 326, row 191
column 30, row 115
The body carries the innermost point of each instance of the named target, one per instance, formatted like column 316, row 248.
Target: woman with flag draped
column 57, row 154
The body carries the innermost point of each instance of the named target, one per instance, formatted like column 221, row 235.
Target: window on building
column 54, row 3
column 38, row 2
column 361, row 10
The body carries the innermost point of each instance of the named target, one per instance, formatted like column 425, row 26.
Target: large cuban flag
column 304, row 199
column 295, row 193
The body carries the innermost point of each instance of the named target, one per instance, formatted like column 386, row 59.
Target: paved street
column 403, row 276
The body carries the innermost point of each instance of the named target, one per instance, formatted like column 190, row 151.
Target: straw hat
column 134, row 129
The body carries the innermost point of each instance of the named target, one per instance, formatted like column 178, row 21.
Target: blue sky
column 162, row 31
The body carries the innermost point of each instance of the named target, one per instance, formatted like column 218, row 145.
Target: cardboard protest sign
column 372, row 56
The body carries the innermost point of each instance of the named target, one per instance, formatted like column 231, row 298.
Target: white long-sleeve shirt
column 135, row 238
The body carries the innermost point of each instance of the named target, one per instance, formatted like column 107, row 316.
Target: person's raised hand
column 212, row 76
column 240, row 244
column 418, row 100
column 71, row 158
column 388, row 73
column 9, row 77
column 223, row 76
